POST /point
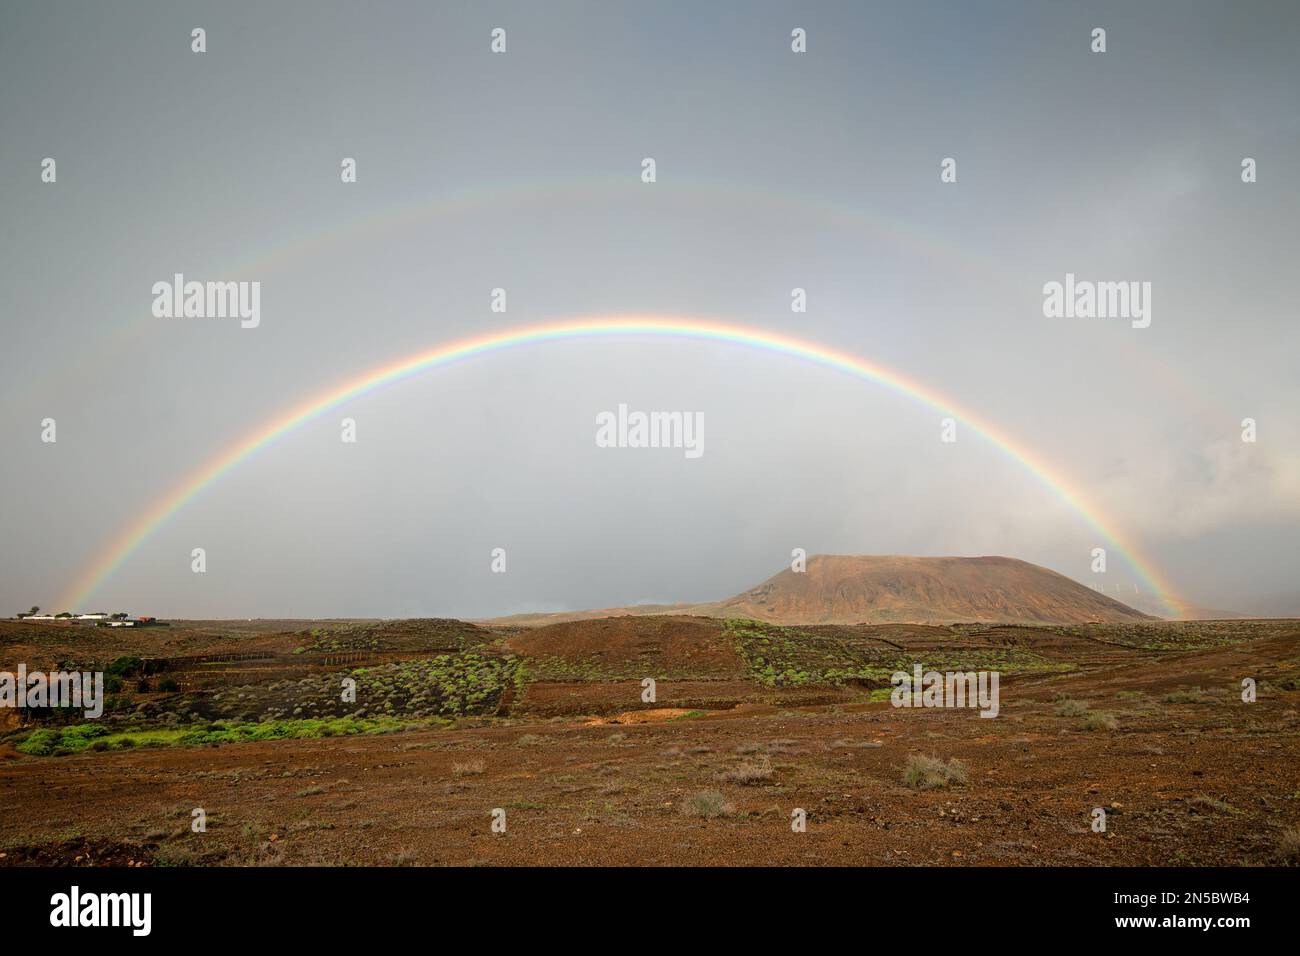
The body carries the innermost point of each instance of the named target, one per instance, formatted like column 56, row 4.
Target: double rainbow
column 125, row 544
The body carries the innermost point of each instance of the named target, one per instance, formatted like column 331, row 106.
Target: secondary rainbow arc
column 134, row 534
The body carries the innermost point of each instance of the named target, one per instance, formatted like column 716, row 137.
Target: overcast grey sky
column 522, row 170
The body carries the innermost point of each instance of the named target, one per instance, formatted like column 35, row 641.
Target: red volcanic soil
column 1144, row 720
column 662, row 644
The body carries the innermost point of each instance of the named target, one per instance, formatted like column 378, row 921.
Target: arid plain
column 499, row 743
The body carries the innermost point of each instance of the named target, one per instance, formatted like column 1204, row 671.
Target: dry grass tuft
column 750, row 773
column 926, row 773
column 708, row 804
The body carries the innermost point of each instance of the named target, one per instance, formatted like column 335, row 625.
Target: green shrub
column 708, row 804
column 124, row 667
column 40, row 743
column 85, row 731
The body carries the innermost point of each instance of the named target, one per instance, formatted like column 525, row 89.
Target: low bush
column 922, row 772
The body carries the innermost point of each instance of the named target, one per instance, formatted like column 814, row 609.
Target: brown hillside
column 846, row 589
column 668, row 644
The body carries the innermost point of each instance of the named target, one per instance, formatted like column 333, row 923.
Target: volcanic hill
column 889, row 589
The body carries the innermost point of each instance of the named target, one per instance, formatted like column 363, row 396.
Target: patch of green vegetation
column 521, row 678
column 560, row 669
column 417, row 634
column 688, row 715
column 779, row 656
column 124, row 667
column 1179, row 635
column 40, row 743
column 792, row 657
column 96, row 737
column 293, row 729
column 450, row 685
column 80, row 737
column 447, row 685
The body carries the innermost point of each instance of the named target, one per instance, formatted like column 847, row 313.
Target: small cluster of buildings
column 94, row 619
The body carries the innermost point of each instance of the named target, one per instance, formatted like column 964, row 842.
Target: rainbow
column 630, row 325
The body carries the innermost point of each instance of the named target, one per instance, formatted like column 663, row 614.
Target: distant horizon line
column 671, row 607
